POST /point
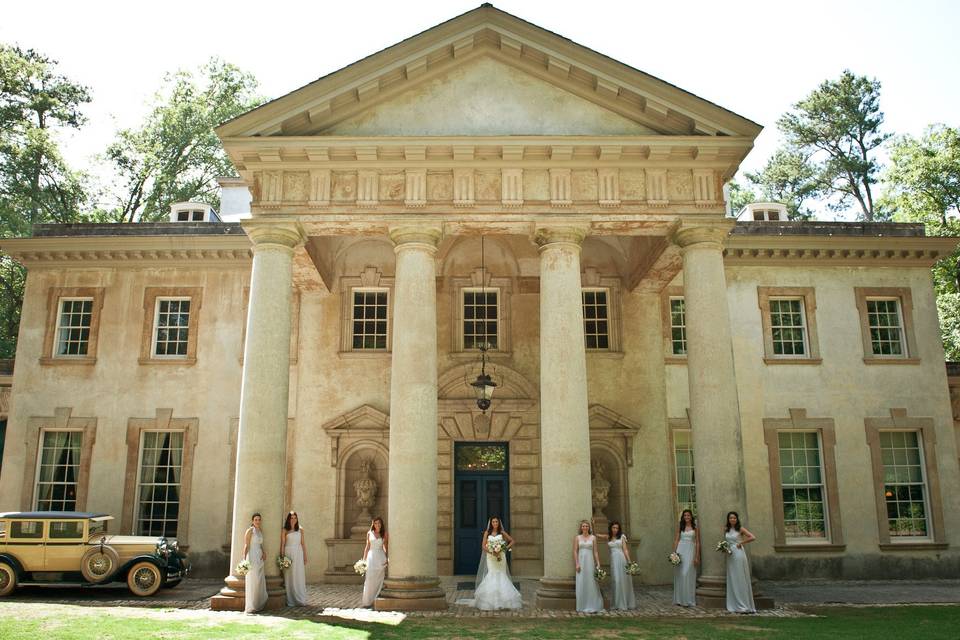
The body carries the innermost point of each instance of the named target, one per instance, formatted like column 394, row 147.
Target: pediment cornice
column 125, row 250
column 837, row 250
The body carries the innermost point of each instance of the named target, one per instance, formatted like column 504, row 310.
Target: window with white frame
column 58, row 469
column 158, row 483
column 481, row 318
column 788, row 327
column 683, row 463
column 904, row 484
column 171, row 327
column 369, row 319
column 73, row 327
column 885, row 322
column 596, row 319
column 678, row 326
column 802, row 486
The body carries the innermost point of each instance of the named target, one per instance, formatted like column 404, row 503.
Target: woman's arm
column 366, row 548
column 246, row 542
column 303, row 545
column 626, row 549
column 676, row 540
column 696, row 554
column 746, row 537
column 576, row 553
column 283, row 540
column 509, row 539
column 483, row 543
column 386, row 542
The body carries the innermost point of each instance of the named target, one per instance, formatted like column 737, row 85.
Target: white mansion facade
column 488, row 182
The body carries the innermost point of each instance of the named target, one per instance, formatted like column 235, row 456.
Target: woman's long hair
column 619, row 529
column 693, row 521
column 499, row 525
column 383, row 527
column 737, row 516
column 288, row 526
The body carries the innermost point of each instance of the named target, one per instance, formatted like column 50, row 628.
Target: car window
column 66, row 530
column 26, row 529
column 3, row 528
column 97, row 527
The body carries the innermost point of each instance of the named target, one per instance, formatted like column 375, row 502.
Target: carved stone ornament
column 600, row 490
column 365, row 488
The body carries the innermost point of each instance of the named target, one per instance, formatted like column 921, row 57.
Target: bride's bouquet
column 243, row 568
column 599, row 574
column 633, row 569
column 283, row 562
column 724, row 546
column 360, row 567
column 674, row 558
column 496, row 547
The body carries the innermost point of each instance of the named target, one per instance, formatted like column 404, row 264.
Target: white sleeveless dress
column 623, row 596
column 685, row 573
column 376, row 569
column 739, row 588
column 294, row 578
column 589, row 599
column 496, row 590
column 255, row 582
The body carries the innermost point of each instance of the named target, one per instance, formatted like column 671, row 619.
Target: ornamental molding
column 831, row 251
column 124, row 250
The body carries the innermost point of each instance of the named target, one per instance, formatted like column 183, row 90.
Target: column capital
column 710, row 235
column 285, row 232
column 560, row 234
column 415, row 236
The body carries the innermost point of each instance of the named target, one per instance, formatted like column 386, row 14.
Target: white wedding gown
column 494, row 588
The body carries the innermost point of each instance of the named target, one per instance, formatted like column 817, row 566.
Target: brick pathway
column 343, row 601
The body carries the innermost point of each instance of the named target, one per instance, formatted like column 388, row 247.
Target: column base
column 232, row 596
column 712, row 594
column 411, row 594
column 557, row 593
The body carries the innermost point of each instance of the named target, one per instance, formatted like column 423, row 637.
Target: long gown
column 294, row 578
column 739, row 589
column 376, row 568
column 255, row 582
column 685, row 573
column 623, row 596
column 589, row 599
column 495, row 590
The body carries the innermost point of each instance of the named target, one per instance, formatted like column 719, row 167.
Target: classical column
column 714, row 405
column 412, row 582
column 264, row 398
column 564, row 422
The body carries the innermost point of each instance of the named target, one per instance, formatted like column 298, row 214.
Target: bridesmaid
column 623, row 596
column 375, row 553
column 255, row 583
column 739, row 588
column 295, row 548
column 687, row 544
column 586, row 559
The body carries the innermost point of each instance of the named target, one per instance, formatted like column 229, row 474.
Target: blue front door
column 481, row 492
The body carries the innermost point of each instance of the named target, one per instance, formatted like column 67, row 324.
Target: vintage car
column 69, row 548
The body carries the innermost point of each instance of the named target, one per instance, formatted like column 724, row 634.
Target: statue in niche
column 600, row 490
column 365, row 489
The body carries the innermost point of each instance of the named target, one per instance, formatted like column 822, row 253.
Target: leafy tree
column 740, row 196
column 789, row 178
column 836, row 128
column 36, row 185
column 174, row 154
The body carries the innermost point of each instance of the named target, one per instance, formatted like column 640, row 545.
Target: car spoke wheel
column 144, row 579
column 8, row 579
column 99, row 563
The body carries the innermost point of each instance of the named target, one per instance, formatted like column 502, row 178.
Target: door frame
column 458, row 475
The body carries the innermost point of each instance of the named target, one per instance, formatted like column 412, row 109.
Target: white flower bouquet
column 633, row 569
column 674, row 558
column 724, row 547
column 599, row 574
column 360, row 567
column 496, row 547
column 283, row 562
column 243, row 568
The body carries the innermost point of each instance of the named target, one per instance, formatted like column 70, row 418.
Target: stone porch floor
column 342, row 601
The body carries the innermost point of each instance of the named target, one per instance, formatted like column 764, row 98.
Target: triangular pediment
column 487, row 72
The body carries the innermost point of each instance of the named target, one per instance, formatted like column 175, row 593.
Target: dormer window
column 193, row 212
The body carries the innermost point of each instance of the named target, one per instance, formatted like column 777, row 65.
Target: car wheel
column 144, row 579
column 99, row 563
column 8, row 579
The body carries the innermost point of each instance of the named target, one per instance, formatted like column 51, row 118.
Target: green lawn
column 29, row 620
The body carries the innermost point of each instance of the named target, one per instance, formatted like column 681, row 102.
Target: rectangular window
column 904, row 484
column 57, row 470
column 32, row 529
column 66, row 530
column 596, row 319
column 171, row 327
column 73, row 327
column 158, row 485
column 370, row 319
column 481, row 313
column 678, row 326
column 801, row 480
column 683, row 462
column 885, row 323
column 788, row 327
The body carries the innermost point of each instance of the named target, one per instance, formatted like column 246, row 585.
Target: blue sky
column 754, row 58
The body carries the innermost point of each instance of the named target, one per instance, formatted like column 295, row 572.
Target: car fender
column 125, row 567
column 13, row 562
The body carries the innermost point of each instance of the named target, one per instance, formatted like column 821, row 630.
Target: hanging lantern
column 484, row 385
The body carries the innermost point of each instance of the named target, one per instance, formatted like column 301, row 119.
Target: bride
column 494, row 588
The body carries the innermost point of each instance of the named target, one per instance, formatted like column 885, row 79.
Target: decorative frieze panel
column 657, row 194
column 512, row 187
column 680, row 185
column 704, row 187
column 319, row 187
column 560, row 190
column 416, row 188
column 368, row 188
column 608, row 182
column 463, row 187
